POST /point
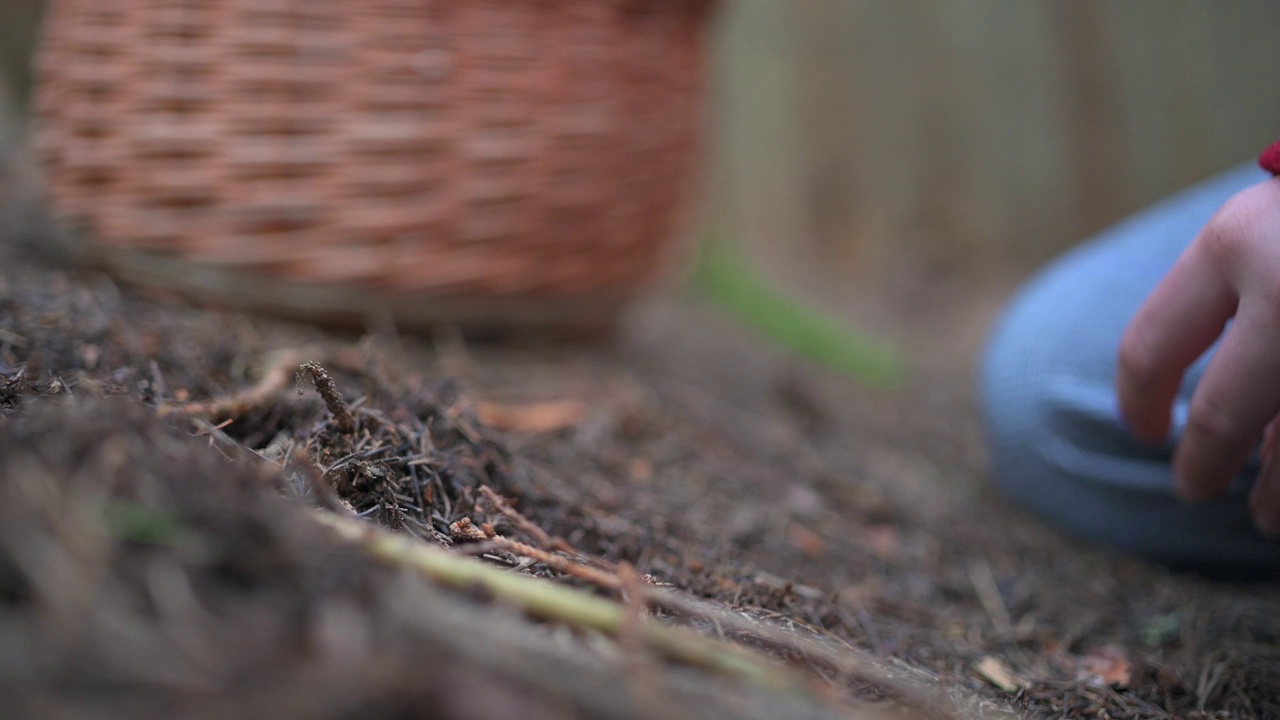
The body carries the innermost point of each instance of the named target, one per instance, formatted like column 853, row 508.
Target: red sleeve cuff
column 1270, row 159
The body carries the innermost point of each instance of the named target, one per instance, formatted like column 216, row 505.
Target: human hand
column 1231, row 270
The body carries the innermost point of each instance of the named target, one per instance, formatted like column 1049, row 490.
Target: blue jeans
column 1056, row 442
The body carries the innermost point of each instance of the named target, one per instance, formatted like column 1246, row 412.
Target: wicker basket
column 444, row 160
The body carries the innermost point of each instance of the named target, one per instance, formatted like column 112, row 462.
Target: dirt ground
column 163, row 466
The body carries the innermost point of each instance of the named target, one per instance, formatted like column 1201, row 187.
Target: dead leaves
column 544, row 416
column 805, row 540
column 1107, row 666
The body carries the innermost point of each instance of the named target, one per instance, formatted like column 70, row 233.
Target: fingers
column 1231, row 269
column 1233, row 403
column 1264, row 500
column 1181, row 318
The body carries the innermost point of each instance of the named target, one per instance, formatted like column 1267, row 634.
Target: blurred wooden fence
column 943, row 138
column 17, row 37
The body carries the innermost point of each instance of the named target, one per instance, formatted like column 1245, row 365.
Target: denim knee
column 1056, row 441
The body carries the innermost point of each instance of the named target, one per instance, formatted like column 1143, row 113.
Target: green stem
column 558, row 603
column 737, row 287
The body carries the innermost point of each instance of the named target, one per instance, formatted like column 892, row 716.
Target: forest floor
column 170, row 485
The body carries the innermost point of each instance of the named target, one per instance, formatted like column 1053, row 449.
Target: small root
column 526, row 526
column 273, row 382
column 600, row 578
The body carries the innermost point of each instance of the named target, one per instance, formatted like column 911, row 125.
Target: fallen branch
column 548, row 601
column 552, row 602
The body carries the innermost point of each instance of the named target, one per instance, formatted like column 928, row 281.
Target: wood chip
column 1107, row 665
column 464, row 531
column 994, row 671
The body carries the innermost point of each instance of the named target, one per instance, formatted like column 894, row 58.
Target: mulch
column 162, row 464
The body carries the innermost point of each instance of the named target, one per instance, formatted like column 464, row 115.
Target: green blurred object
column 132, row 522
column 725, row 275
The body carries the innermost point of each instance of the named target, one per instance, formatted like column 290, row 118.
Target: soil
column 162, row 465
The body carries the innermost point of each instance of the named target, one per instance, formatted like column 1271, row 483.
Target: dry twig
column 342, row 417
column 273, row 381
column 574, row 607
column 553, row 602
column 601, row 578
column 523, row 524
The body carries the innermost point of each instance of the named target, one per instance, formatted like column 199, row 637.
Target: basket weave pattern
column 450, row 147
